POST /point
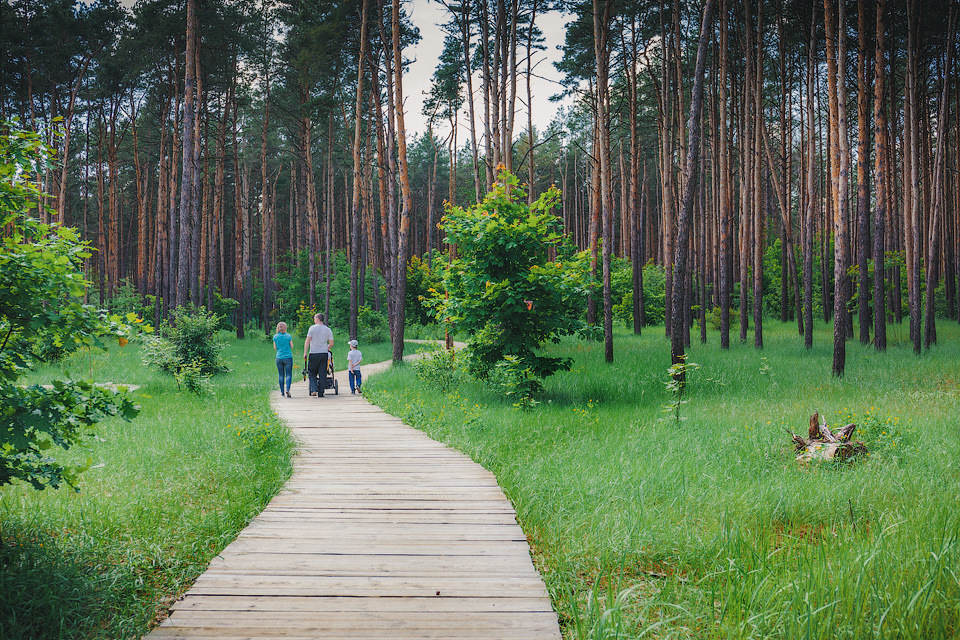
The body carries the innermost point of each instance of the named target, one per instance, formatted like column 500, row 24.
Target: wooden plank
column 337, row 604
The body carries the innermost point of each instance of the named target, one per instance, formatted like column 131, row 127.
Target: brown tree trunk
column 882, row 185
column 863, row 178
column 601, row 32
column 691, row 178
column 400, row 289
column 188, row 179
column 356, row 215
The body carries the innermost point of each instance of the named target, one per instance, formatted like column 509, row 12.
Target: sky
column 426, row 15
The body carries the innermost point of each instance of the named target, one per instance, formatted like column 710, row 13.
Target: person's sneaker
column 288, row 395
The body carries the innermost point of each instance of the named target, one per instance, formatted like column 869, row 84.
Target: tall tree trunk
column 911, row 176
column 840, row 161
column 400, row 290
column 863, row 177
column 882, row 186
column 726, row 180
column 188, row 180
column 939, row 190
column 691, row 178
column 601, row 32
column 810, row 210
column 356, row 213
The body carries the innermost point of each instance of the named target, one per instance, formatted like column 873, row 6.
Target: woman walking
column 281, row 344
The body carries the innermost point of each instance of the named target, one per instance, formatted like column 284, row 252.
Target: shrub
column 259, row 432
column 189, row 351
column 372, row 326
column 515, row 381
column 440, row 369
column 190, row 377
column 502, row 287
column 303, row 319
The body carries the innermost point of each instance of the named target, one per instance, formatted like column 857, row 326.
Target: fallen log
column 823, row 444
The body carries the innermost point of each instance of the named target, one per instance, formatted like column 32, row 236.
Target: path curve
column 380, row 532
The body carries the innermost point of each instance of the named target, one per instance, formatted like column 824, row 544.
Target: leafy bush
column 654, row 297
column 424, row 280
column 372, row 326
column 189, row 343
column 303, row 319
column 517, row 382
column 259, row 432
column 502, row 287
column 190, row 377
column 440, row 369
column 128, row 300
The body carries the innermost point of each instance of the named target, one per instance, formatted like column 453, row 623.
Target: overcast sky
column 426, row 15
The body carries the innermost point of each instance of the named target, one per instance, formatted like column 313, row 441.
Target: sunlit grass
column 706, row 527
column 165, row 493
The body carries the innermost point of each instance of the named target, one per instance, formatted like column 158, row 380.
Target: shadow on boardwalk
column 381, row 532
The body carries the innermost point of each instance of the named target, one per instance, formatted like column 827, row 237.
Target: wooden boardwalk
column 381, row 532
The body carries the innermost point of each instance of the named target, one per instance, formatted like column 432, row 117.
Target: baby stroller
column 328, row 381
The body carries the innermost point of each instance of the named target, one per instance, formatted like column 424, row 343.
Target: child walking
column 354, row 357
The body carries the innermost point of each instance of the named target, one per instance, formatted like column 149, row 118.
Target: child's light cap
column 353, row 343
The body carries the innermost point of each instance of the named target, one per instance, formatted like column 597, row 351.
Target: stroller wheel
column 336, row 388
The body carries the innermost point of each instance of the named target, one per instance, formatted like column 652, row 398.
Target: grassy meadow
column 164, row 494
column 705, row 527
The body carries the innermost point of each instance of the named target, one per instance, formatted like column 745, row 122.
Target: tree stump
column 822, row 444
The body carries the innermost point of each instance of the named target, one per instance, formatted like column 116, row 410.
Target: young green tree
column 42, row 316
column 503, row 288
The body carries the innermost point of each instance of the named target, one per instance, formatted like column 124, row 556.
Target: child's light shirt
column 354, row 357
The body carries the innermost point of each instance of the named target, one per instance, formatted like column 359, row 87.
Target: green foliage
column 225, row 309
column 654, row 295
column 886, row 437
column 42, row 316
column 36, row 419
column 303, row 319
column 189, row 350
column 191, row 377
column 424, row 280
column 440, row 368
column 677, row 386
column 372, row 326
column 128, row 300
column 261, row 432
column 503, row 290
column 516, row 382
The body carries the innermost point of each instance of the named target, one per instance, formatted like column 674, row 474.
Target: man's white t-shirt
column 319, row 335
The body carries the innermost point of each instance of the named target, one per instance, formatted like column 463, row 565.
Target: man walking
column 317, row 347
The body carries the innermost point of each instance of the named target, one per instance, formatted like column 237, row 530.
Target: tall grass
column 705, row 527
column 166, row 492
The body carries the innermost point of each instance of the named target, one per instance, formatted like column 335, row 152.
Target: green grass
column 166, row 492
column 645, row 526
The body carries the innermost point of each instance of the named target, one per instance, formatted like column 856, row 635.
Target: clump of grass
column 713, row 531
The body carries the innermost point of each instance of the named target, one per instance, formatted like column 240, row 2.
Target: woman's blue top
column 283, row 342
